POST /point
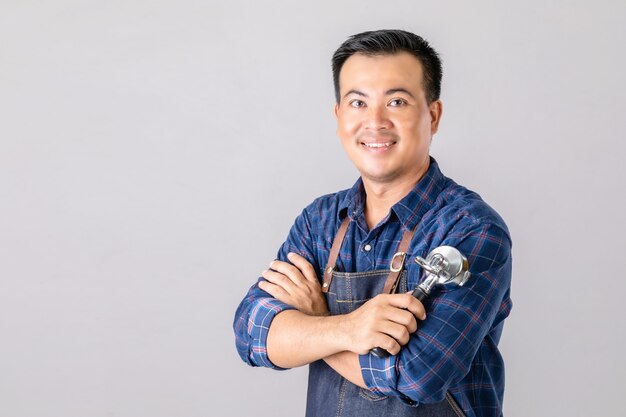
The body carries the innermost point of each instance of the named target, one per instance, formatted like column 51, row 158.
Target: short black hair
column 389, row 42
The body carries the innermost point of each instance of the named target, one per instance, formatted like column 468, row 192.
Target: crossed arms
column 283, row 322
column 299, row 337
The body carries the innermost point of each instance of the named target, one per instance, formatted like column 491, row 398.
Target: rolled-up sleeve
column 440, row 353
column 252, row 322
column 256, row 311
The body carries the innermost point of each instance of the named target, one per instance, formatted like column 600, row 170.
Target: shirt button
column 367, row 247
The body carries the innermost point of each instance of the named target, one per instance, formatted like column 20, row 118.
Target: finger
column 388, row 343
column 275, row 291
column 279, row 279
column 290, row 271
column 403, row 318
column 410, row 303
column 303, row 265
column 399, row 332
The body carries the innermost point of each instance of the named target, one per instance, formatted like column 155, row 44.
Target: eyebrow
column 357, row 92
column 399, row 90
column 387, row 93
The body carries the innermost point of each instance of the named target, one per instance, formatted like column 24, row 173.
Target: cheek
column 416, row 126
column 347, row 125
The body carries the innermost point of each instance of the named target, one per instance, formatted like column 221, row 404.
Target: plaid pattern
column 455, row 348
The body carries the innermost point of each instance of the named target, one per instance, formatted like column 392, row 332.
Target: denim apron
column 331, row 395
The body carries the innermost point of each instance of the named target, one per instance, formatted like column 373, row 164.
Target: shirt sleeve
column 256, row 311
column 458, row 319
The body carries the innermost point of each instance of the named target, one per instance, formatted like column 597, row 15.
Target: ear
column 336, row 110
column 435, row 108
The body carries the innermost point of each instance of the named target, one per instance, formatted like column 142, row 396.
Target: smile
column 378, row 145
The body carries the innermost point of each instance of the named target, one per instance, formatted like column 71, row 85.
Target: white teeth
column 377, row 145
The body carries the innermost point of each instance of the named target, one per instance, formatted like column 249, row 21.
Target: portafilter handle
column 421, row 293
column 444, row 264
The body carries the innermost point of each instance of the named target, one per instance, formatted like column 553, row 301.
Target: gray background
column 154, row 154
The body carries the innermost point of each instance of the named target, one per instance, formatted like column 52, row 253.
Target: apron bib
column 331, row 395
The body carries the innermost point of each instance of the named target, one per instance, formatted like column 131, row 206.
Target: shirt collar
column 410, row 209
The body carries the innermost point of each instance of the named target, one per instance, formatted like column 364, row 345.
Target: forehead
column 400, row 70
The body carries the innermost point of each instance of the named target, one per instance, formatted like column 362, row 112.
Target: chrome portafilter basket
column 444, row 265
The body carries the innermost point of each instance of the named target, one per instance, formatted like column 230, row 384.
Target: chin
column 379, row 177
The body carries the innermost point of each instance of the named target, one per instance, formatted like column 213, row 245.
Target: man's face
column 384, row 121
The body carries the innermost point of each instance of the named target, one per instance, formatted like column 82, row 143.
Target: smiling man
column 339, row 285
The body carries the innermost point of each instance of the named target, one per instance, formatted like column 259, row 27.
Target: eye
column 357, row 103
column 397, row 102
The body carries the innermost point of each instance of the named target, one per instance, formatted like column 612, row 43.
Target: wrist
column 340, row 332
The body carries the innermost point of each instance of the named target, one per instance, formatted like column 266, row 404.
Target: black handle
column 420, row 295
column 379, row 352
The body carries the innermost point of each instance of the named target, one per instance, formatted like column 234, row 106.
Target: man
column 339, row 285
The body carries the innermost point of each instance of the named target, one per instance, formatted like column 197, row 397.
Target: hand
column 385, row 321
column 296, row 285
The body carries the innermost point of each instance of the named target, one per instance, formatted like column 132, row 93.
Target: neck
column 380, row 197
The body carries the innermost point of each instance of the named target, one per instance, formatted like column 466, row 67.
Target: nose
column 377, row 118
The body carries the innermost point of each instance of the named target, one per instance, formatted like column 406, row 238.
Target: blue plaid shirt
column 455, row 348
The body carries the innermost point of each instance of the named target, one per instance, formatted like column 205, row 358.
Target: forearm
column 297, row 339
column 347, row 365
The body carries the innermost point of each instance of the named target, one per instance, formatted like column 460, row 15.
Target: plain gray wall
column 154, row 154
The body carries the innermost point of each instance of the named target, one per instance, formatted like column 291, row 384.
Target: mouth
column 378, row 146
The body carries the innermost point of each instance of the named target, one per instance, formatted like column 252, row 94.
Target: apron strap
column 334, row 253
column 397, row 262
